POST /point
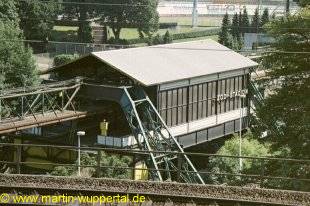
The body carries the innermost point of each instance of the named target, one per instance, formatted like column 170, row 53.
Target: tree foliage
column 224, row 33
column 85, row 32
column 83, row 13
column 250, row 147
column 288, row 108
column 8, row 11
column 235, row 28
column 245, row 22
column 38, row 18
column 17, row 66
column 230, row 33
column 265, row 17
column 168, row 38
column 255, row 24
column 140, row 14
column 108, row 163
column 64, row 59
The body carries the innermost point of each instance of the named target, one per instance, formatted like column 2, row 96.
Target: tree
column 255, row 24
column 167, row 38
column 108, row 169
column 38, row 18
column 8, row 11
column 235, row 29
column 140, row 14
column 83, row 13
column 288, row 108
column 223, row 35
column 245, row 23
column 85, row 32
column 250, row 147
column 17, row 66
column 265, row 18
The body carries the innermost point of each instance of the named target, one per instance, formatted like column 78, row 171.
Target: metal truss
column 152, row 134
column 27, row 106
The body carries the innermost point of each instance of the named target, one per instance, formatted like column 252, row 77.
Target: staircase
column 152, row 134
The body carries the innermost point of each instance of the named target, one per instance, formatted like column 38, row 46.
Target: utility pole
column 79, row 134
column 195, row 13
column 240, row 131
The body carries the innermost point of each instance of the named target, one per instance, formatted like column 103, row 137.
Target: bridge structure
column 23, row 108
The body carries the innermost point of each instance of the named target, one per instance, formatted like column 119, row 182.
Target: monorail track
column 156, row 193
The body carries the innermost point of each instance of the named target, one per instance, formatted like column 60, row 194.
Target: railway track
column 156, row 193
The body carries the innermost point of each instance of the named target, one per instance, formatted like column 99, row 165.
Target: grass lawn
column 213, row 37
column 65, row 28
column 132, row 33
column 184, row 23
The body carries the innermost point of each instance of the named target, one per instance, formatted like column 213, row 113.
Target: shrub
column 167, row 38
column 168, row 25
column 64, row 59
column 111, row 161
column 112, row 40
column 195, row 34
column 177, row 36
column 250, row 147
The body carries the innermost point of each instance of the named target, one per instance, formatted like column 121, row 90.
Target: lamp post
column 242, row 96
column 79, row 134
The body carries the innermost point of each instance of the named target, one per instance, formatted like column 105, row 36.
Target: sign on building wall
column 233, row 94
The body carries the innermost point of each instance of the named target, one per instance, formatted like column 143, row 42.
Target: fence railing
column 295, row 174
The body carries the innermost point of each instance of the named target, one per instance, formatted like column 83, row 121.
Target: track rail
column 176, row 193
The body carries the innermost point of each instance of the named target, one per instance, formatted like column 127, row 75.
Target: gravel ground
column 164, row 190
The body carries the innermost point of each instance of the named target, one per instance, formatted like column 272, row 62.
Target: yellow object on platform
column 141, row 172
column 104, row 126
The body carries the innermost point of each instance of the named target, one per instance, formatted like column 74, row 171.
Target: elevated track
column 23, row 108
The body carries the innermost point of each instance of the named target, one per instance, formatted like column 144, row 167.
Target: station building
column 199, row 88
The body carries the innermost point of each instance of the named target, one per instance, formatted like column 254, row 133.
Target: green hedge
column 168, row 25
column 177, row 36
column 64, row 58
column 195, row 34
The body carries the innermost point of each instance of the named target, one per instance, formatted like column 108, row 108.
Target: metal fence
column 55, row 48
column 264, row 176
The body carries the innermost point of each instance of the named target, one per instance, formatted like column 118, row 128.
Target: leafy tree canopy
column 38, row 17
column 108, row 163
column 17, row 66
column 140, row 14
column 250, row 147
column 288, row 108
column 8, row 11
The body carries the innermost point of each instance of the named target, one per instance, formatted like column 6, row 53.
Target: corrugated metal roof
column 170, row 62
